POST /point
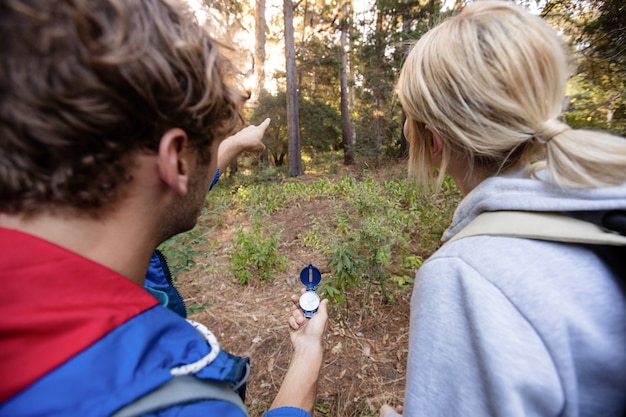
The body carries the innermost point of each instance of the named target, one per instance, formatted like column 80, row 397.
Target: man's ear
column 173, row 164
column 436, row 145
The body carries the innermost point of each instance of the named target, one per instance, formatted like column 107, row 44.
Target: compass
column 310, row 276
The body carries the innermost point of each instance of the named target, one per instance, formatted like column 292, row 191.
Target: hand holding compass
column 307, row 328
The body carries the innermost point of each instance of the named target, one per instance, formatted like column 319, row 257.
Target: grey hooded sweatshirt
column 504, row 326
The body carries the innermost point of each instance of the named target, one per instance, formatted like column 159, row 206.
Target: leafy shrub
column 374, row 234
column 346, row 267
column 254, row 256
column 180, row 251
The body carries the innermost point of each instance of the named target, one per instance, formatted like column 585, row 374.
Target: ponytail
column 584, row 159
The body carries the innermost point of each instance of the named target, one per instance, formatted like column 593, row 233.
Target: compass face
column 309, row 301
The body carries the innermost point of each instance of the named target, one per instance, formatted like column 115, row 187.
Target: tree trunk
column 346, row 122
column 378, row 94
column 403, row 151
column 351, row 73
column 378, row 131
column 293, row 117
column 259, row 49
column 259, row 70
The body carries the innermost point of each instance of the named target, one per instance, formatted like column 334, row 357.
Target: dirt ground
column 366, row 342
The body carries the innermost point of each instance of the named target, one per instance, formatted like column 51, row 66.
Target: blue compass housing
column 310, row 276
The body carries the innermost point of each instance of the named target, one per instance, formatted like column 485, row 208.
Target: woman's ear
column 173, row 163
column 436, row 144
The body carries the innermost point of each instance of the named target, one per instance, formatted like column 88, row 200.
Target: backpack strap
column 540, row 226
column 180, row 390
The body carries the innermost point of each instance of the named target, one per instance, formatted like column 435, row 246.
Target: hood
column 516, row 191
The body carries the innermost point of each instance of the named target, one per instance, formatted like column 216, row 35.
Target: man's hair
column 491, row 82
column 85, row 85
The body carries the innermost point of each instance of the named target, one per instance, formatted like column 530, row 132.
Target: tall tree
column 386, row 29
column 259, row 68
column 293, row 116
column 346, row 119
column 317, row 51
column 379, row 90
column 259, row 48
column 227, row 19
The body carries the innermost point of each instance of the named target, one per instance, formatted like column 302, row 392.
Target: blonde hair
column 491, row 82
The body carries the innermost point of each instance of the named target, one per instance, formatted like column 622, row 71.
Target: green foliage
column 411, row 263
column 373, row 233
column 319, row 66
column 274, row 107
column 199, row 308
column 318, row 63
column 594, row 104
column 180, row 251
column 254, row 256
column 323, row 408
column 319, row 125
column 372, row 237
column 386, row 33
column 389, row 217
column 595, row 28
column 264, row 199
column 260, row 200
column 605, row 33
column 346, row 267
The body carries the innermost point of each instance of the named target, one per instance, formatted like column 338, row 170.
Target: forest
column 332, row 188
column 325, row 71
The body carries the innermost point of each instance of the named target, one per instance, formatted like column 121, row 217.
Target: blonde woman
column 504, row 326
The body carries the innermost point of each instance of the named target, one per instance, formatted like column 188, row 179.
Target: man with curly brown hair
column 111, row 115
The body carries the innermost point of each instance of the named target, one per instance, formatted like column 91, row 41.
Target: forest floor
column 367, row 338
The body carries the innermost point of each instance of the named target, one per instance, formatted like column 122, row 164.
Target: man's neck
column 116, row 243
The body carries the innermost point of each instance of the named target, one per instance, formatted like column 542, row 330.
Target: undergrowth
column 381, row 228
column 180, row 251
column 253, row 254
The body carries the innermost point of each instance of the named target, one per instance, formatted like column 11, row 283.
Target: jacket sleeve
column 287, row 412
column 222, row 409
column 471, row 352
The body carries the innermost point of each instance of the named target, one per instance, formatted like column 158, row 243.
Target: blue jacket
column 78, row 339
